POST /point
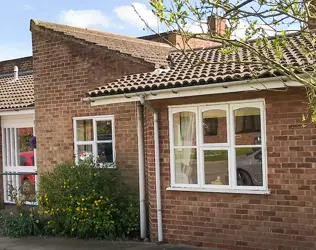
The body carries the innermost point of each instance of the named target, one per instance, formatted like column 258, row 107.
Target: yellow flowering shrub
column 85, row 202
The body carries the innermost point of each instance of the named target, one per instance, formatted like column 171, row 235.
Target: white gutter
column 218, row 88
column 157, row 167
column 24, row 111
column 141, row 172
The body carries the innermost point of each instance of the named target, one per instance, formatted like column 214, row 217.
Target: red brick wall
column 1, row 169
column 64, row 72
column 24, row 64
column 285, row 219
column 176, row 40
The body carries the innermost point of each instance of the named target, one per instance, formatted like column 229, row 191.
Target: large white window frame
column 94, row 143
column 10, row 124
column 229, row 145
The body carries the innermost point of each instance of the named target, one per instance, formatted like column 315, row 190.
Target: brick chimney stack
column 216, row 25
column 312, row 21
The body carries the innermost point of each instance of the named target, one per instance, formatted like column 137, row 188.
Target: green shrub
column 85, row 202
column 25, row 222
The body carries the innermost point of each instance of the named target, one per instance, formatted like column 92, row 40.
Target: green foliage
column 26, row 222
column 85, row 202
column 24, row 142
column 250, row 24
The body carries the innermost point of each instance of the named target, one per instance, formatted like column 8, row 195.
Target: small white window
column 218, row 147
column 94, row 137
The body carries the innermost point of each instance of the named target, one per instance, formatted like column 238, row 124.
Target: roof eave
column 18, row 111
column 219, row 88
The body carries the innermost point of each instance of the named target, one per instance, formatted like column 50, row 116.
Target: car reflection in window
column 249, row 169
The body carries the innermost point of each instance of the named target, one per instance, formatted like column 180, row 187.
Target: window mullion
column 12, row 155
column 232, row 155
column 94, row 146
column 263, row 148
column 16, row 151
column 199, row 160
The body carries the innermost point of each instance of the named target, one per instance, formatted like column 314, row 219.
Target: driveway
column 41, row 243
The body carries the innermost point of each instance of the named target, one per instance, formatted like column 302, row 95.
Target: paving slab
column 53, row 243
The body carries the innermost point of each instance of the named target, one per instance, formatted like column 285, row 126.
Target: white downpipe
column 141, row 171
column 157, row 168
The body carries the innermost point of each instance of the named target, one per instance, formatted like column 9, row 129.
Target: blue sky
column 107, row 15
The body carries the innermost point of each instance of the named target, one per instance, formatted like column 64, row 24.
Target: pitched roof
column 147, row 51
column 16, row 94
column 183, row 72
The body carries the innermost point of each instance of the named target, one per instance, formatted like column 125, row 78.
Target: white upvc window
column 18, row 156
column 94, row 137
column 218, row 147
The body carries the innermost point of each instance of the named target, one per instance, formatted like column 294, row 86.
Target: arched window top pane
column 184, row 127
column 247, row 122
column 214, row 126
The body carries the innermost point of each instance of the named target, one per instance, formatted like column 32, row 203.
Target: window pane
column 25, row 152
column 249, row 166
column 186, row 166
column 247, row 126
column 104, row 130
column 84, row 152
column 27, row 186
column 184, row 129
column 105, row 152
column 216, row 167
column 84, row 130
column 214, row 126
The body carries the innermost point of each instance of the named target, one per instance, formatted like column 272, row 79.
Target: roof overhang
column 24, row 111
column 219, row 88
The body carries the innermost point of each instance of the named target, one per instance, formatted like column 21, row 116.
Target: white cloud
column 240, row 31
column 27, row 7
column 127, row 14
column 12, row 51
column 197, row 28
column 84, row 18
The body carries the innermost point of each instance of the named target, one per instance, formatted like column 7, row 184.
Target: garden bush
column 87, row 202
column 24, row 221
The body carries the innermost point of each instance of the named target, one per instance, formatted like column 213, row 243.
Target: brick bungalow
column 228, row 163
column 222, row 159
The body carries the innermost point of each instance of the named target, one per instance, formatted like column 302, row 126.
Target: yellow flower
column 78, row 208
column 95, row 174
column 31, row 215
column 82, row 199
column 101, row 197
column 37, row 221
column 78, row 203
column 21, row 214
column 85, row 209
column 72, row 229
column 70, row 196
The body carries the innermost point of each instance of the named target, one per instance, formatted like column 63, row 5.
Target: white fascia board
column 17, row 112
column 222, row 88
